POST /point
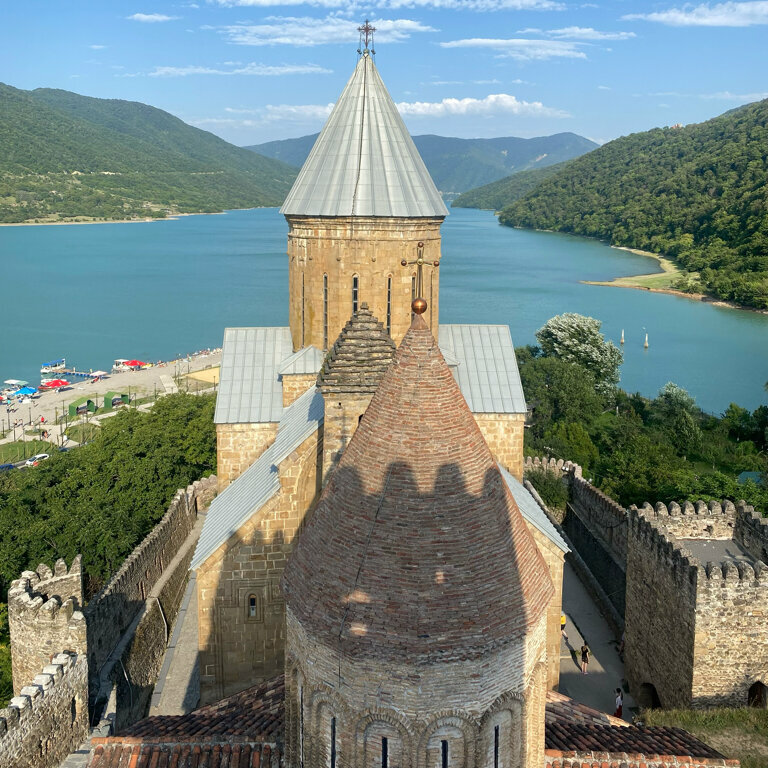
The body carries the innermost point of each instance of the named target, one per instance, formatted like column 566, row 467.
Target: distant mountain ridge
column 67, row 156
column 501, row 193
column 457, row 165
column 696, row 193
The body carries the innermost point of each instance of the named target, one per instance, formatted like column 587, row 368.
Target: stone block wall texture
column 716, row 612
column 342, row 415
column 111, row 612
column 555, row 560
column 414, row 707
column 48, row 718
column 295, row 385
column 504, row 434
column 242, row 644
column 45, row 618
column 370, row 248
column 238, row 446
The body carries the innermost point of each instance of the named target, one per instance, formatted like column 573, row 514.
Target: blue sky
column 257, row 70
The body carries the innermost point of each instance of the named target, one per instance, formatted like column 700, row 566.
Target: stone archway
column 647, row 697
column 758, row 695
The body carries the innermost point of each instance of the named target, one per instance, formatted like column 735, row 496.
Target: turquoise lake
column 93, row 293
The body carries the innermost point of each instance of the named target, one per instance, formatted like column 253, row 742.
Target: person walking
column 619, row 703
column 584, row 658
column 562, row 627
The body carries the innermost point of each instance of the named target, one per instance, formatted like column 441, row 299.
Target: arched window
column 496, row 746
column 758, row 696
column 413, row 291
column 389, row 305
column 302, row 309
column 444, row 753
column 384, row 752
column 355, row 292
column 325, row 311
column 252, row 606
column 333, row 742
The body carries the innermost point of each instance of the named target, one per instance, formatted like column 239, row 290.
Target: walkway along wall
column 48, row 719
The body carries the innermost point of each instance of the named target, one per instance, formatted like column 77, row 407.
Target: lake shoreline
column 668, row 272
column 147, row 220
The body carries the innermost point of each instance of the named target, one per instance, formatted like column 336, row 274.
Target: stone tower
column 416, row 597
column 44, row 616
column 362, row 204
column 350, row 374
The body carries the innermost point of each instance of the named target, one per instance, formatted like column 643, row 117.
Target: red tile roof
column 241, row 731
column 557, row 759
column 417, row 551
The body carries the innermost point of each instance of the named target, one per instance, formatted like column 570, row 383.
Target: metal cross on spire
column 366, row 36
column 419, row 305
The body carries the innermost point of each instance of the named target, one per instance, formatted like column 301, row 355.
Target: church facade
column 364, row 240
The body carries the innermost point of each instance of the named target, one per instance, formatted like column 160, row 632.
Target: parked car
column 6, row 467
column 33, row 461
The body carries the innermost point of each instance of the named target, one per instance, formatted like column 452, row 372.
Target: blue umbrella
column 25, row 391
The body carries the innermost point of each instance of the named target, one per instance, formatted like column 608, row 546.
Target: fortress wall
column 660, row 613
column 45, row 618
column 731, row 639
column 137, row 671
column 238, row 446
column 597, row 527
column 751, row 531
column 49, row 717
column 701, row 520
column 110, row 613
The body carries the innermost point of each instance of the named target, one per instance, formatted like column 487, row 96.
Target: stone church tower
column 361, row 212
column 416, row 598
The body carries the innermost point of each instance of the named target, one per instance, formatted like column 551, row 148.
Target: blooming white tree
column 577, row 339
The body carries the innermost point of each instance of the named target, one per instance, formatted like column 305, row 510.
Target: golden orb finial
column 419, row 306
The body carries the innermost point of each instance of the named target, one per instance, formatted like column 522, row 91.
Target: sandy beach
column 197, row 372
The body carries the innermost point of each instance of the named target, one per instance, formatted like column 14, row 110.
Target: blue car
column 6, row 467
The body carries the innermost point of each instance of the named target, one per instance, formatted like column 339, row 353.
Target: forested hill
column 698, row 194
column 66, row 156
column 457, row 165
column 498, row 194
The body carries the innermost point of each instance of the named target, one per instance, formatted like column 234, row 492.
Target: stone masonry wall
column 504, row 434
column 110, row 613
column 369, row 248
column 238, row 446
column 751, row 531
column 140, row 663
column 342, row 415
column 239, row 644
column 660, row 615
column 48, row 719
column 44, row 614
column 295, row 385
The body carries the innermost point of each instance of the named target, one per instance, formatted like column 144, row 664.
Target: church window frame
column 303, row 330
column 325, row 311
column 496, row 746
column 252, row 605
column 413, row 291
column 333, row 743
column 384, row 752
column 389, row 304
column 444, row 753
column 355, row 293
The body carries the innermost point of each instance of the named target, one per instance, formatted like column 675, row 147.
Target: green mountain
column 457, row 165
column 698, row 194
column 66, row 156
column 497, row 194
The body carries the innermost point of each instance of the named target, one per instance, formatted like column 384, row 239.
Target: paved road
column 606, row 670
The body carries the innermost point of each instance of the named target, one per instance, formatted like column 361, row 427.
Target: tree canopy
column 698, row 194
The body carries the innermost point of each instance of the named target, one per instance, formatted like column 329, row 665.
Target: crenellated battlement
column 48, row 717
column 551, row 465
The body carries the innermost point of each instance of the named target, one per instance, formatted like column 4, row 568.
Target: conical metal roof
column 364, row 162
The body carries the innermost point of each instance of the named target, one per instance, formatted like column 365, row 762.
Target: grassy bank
column 655, row 281
column 740, row 734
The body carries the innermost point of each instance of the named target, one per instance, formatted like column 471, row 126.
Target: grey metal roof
column 487, row 372
column 531, row 511
column 249, row 388
column 306, row 360
column 260, row 482
column 364, row 162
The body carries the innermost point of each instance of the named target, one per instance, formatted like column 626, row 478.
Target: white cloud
column 742, row 97
column 493, row 104
column 522, row 49
column 719, row 15
column 151, row 18
column 587, row 33
column 461, row 5
column 305, row 31
column 97, row 47
column 261, row 70
column 495, row 82
column 604, row 88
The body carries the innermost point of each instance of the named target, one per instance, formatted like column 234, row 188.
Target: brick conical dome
column 417, row 551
